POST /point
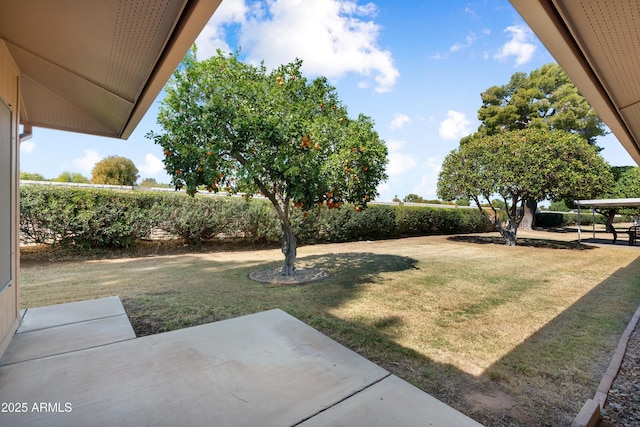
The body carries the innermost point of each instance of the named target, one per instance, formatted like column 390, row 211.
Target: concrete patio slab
column 70, row 337
column 390, row 402
column 72, row 312
column 266, row 369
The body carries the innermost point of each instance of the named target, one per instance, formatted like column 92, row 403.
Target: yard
column 509, row 336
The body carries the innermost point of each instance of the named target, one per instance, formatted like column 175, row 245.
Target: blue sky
column 417, row 68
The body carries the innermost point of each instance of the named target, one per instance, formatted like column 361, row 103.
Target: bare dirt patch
column 496, row 405
column 300, row 276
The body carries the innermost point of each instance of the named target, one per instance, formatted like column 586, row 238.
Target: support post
column 579, row 234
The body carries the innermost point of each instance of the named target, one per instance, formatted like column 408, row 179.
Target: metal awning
column 609, row 203
column 96, row 66
column 602, row 203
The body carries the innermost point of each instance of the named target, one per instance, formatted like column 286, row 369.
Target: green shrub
column 196, row 219
column 99, row 218
column 556, row 219
column 259, row 222
column 84, row 217
column 549, row 219
column 419, row 221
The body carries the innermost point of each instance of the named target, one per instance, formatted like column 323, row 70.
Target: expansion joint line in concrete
column 341, row 400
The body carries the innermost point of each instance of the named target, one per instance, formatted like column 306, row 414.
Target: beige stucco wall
column 9, row 297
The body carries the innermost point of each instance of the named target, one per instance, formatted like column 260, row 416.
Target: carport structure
column 603, row 203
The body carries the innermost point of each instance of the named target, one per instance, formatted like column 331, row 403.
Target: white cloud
column 332, row 37
column 428, row 186
column 521, row 45
column 399, row 121
column 151, row 166
column 88, row 161
column 398, row 162
column 470, row 11
column 459, row 46
column 213, row 34
column 455, row 126
column 27, row 147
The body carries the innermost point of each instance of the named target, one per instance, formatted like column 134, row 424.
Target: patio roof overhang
column 96, row 66
column 596, row 43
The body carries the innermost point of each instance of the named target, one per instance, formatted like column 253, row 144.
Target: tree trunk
column 611, row 215
column 529, row 215
column 509, row 232
column 289, row 248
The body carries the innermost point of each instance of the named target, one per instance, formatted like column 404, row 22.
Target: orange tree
column 231, row 126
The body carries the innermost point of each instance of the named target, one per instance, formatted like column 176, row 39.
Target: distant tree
column 396, row 199
column 148, row 182
column 75, row 177
column 520, row 165
column 414, row 198
column 545, row 99
column 115, row 170
column 31, row 176
column 237, row 127
column 559, row 206
column 463, row 201
column 498, row 204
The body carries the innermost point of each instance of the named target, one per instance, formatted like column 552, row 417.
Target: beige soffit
column 96, row 66
column 597, row 43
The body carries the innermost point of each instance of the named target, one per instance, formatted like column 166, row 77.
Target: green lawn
column 507, row 335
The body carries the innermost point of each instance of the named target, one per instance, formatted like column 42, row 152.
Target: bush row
column 98, row 218
column 562, row 219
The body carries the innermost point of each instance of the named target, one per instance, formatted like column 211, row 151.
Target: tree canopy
column 115, row 170
column 31, row 176
column 544, row 99
column 231, row 126
column 519, row 165
column 75, row 177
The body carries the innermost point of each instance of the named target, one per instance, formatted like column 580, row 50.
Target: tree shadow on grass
column 533, row 243
column 232, row 293
column 354, row 268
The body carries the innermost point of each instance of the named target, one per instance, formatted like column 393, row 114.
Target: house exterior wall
column 9, row 295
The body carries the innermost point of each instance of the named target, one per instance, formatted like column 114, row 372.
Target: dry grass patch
column 510, row 336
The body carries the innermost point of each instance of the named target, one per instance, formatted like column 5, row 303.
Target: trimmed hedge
column 87, row 218
column 98, row 218
column 562, row 219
